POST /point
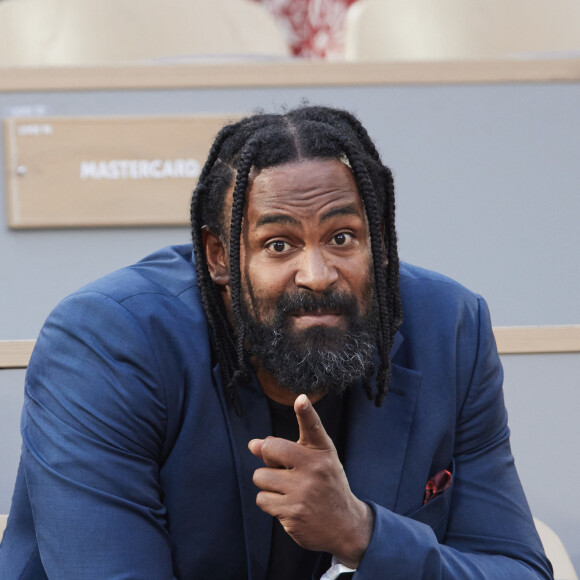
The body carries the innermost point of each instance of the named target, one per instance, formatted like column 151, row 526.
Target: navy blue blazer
column 135, row 467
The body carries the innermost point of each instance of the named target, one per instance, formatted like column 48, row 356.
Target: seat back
column 97, row 32
column 460, row 29
column 3, row 522
column 556, row 552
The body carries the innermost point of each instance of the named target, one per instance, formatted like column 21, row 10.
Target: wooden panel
column 537, row 339
column 104, row 171
column 291, row 73
column 15, row 354
column 510, row 340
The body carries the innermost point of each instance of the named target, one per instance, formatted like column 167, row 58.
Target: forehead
column 302, row 189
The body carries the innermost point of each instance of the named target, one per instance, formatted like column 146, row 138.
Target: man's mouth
column 322, row 317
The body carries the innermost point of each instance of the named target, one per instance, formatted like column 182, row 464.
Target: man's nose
column 315, row 271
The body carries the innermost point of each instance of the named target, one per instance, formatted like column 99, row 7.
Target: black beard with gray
column 319, row 359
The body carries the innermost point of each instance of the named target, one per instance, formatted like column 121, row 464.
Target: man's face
column 307, row 287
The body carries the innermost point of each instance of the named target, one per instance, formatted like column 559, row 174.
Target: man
column 153, row 394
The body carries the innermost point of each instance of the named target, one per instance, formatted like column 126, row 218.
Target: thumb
column 312, row 433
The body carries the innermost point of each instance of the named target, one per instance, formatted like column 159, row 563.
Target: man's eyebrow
column 344, row 210
column 283, row 218
column 276, row 218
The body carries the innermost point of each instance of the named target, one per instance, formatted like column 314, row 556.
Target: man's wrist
column 352, row 552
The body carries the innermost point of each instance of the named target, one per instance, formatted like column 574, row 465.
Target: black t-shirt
column 288, row 561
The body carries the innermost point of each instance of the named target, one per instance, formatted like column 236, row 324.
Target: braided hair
column 269, row 140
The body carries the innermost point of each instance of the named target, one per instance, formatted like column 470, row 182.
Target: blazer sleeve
column 490, row 531
column 93, row 430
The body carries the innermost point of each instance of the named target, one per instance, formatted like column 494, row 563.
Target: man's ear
column 216, row 256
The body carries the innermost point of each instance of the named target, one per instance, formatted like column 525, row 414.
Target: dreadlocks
column 267, row 140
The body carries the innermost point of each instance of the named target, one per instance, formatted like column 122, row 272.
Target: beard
column 319, row 359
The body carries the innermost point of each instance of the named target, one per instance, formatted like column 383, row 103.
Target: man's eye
column 342, row 239
column 278, row 246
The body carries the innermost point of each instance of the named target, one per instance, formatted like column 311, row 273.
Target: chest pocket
column 435, row 513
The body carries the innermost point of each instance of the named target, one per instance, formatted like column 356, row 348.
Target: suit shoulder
column 434, row 304
column 420, row 282
column 158, row 292
column 169, row 272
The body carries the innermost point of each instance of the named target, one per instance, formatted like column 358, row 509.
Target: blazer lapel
column 255, row 423
column 377, row 438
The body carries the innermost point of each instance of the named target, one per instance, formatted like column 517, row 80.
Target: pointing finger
column 312, row 433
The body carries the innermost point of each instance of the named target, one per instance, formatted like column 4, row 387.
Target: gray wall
column 487, row 179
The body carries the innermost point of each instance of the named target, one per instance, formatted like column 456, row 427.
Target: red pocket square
column 437, row 485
